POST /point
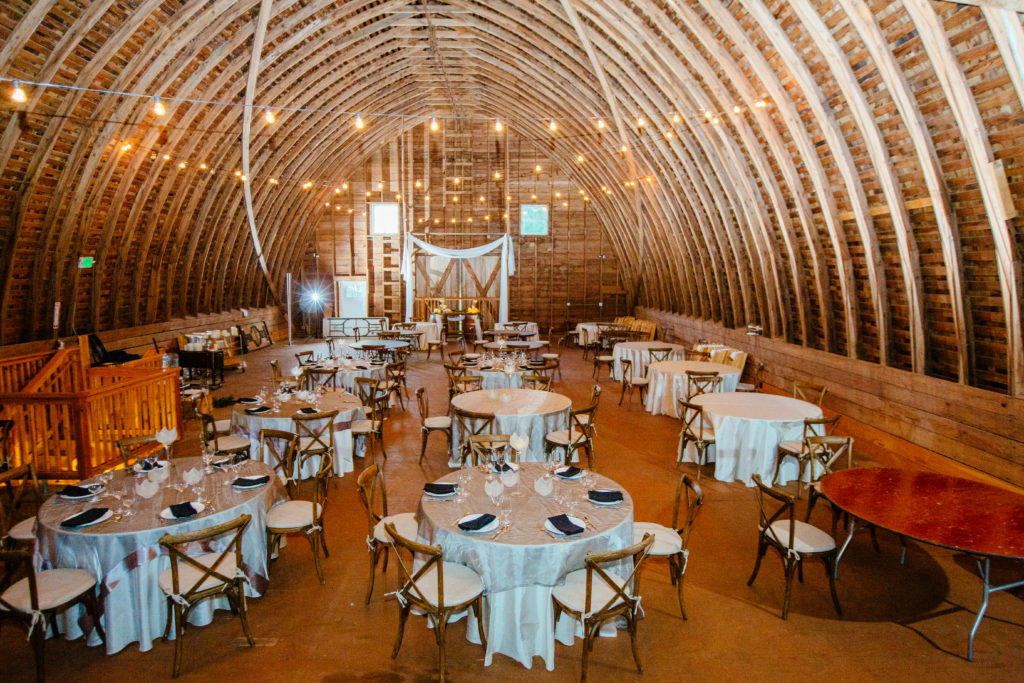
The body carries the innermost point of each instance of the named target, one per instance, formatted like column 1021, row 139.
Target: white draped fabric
column 668, row 382
column 516, row 411
column 508, row 267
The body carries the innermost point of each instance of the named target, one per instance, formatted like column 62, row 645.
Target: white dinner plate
column 609, row 504
column 167, row 514
column 486, row 529
column 441, row 495
column 104, row 517
column 573, row 477
column 94, row 489
column 553, row 529
column 161, row 464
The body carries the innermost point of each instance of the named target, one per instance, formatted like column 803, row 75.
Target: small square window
column 533, row 219
column 385, row 218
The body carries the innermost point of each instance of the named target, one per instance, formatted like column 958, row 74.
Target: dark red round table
column 974, row 518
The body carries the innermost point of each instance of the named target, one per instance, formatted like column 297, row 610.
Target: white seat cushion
column 561, row 437
column 363, row 426
column 54, row 586
column 222, row 426
column 792, row 446
column 439, row 422
column 573, row 593
column 744, row 386
column 807, row 539
column 606, row 359
column 405, row 525
column 188, row 575
column 461, row 584
column 637, row 381
column 291, row 514
column 666, row 541
column 549, row 356
column 232, row 442
column 25, row 530
column 308, row 443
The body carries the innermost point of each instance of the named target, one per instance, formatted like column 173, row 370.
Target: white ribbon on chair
column 508, row 267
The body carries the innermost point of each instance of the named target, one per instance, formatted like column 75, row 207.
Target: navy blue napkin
column 439, row 489
column 86, row 517
column 605, row 496
column 182, row 510
column 248, row 400
column 502, row 467
column 477, row 523
column 257, row 411
column 307, row 410
column 565, row 525
column 72, row 491
column 147, row 465
column 568, row 472
column 251, row 482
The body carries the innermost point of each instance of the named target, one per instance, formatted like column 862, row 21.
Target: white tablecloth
column 512, row 346
column 431, row 332
column 495, row 379
column 586, row 333
column 748, row 430
column 520, row 568
column 668, row 382
column 127, row 558
column 349, row 369
column 639, row 352
column 348, row 407
column 530, row 329
column 517, row 411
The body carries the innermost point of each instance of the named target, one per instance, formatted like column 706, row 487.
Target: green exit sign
column 85, row 261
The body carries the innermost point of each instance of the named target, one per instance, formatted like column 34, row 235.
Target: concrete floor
column 900, row 622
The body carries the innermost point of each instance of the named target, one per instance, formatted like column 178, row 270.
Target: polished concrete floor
column 899, row 622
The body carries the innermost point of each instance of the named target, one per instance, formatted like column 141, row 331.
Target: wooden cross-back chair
column 396, row 381
column 807, row 391
column 428, row 424
column 305, row 358
column 321, row 378
column 483, row 448
column 822, row 455
column 304, row 517
column 375, row 398
column 191, row 579
column 232, row 444
column 316, row 436
column 278, row 449
column 135, row 448
column 698, row 383
column 698, row 430
column 19, row 481
column 795, row 448
column 580, row 434
column 792, row 539
column 281, row 381
column 470, row 423
column 537, row 381
column 439, row 344
column 699, row 356
column 390, row 335
column 452, row 371
column 631, row 383
column 673, row 542
column 331, row 350
column 374, row 496
column 595, row 595
column 33, row 599
column 467, row 383
column 437, row 589
column 660, row 354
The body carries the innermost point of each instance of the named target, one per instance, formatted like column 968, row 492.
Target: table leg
column 984, row 567
column 846, row 543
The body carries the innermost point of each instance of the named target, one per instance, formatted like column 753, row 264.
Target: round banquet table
column 499, row 379
column 517, row 411
column 639, row 352
column 528, row 330
column 669, row 383
column 348, row 369
column 587, row 333
column 514, row 346
column 520, row 568
column 349, row 409
column 431, row 331
column 389, row 345
column 748, row 430
column 126, row 556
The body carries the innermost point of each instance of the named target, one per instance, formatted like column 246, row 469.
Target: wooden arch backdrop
column 870, row 209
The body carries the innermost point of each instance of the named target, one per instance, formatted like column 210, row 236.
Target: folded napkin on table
column 251, row 482
column 257, row 411
column 72, row 491
column 565, row 525
column 477, row 523
column 307, row 410
column 248, row 400
column 605, row 496
column 180, row 510
column 439, row 489
column 86, row 517
column 568, row 472
column 147, row 465
column 502, row 467
column 363, row 367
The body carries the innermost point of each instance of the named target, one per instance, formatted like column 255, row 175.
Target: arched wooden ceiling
column 868, row 209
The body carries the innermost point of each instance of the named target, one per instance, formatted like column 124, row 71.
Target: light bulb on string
column 497, row 125
column 359, row 121
column 268, row 115
column 126, row 147
column 736, row 109
column 760, row 104
column 675, row 118
column 639, row 122
column 553, row 126
column 18, row 94
column 579, row 159
column 433, row 123
column 600, row 124
column 158, row 107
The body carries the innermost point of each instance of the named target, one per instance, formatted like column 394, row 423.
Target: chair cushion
column 549, row 356
column 188, row 575
column 794, row 446
column 439, row 422
column 55, row 587
column 807, row 539
column 405, row 525
column 364, row 426
column 308, row 443
column 666, row 541
column 573, row 593
column 461, row 584
column 222, row 426
column 291, row 514
column 605, row 359
column 25, row 530
column 232, row 442
column 744, row 386
column 637, row 381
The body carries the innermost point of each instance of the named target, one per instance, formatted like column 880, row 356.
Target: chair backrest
column 471, row 423
column 581, row 421
column 698, row 383
column 372, row 394
column 178, row 546
column 395, row 372
column 321, row 378
column 207, row 429
column 423, row 402
column 432, row 558
column 25, row 475
column 700, row 356
column 388, row 334
column 277, row 449
column 486, row 447
column 721, row 355
column 330, row 346
column 625, row 597
column 305, row 357
column 595, row 395
column 536, row 381
column 824, row 451
column 692, row 415
column 812, row 393
column 319, row 427
column 819, row 426
column 787, row 511
column 466, row 383
column 694, row 499
column 627, row 370
column 368, row 484
column 737, row 359
column 132, row 448
column 662, row 353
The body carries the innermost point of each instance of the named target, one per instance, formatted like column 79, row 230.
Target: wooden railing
column 67, row 417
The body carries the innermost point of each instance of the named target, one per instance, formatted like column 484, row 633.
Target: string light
column 579, row 159
column 344, row 186
column 167, row 157
column 18, row 94
column 272, row 181
column 458, row 180
column 308, row 185
column 624, row 149
column 639, row 122
column 675, row 118
column 600, row 124
column 243, row 178
column 203, row 166
column 537, row 168
column 418, row 184
column 668, row 134
column 553, row 126
column 337, row 190
column 126, row 147
column 736, row 109
column 359, row 122
column 497, row 175
column 760, row 104
column 497, row 125
column 380, row 186
column 433, row 123
column 158, row 107
column 182, row 164
column 268, row 115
